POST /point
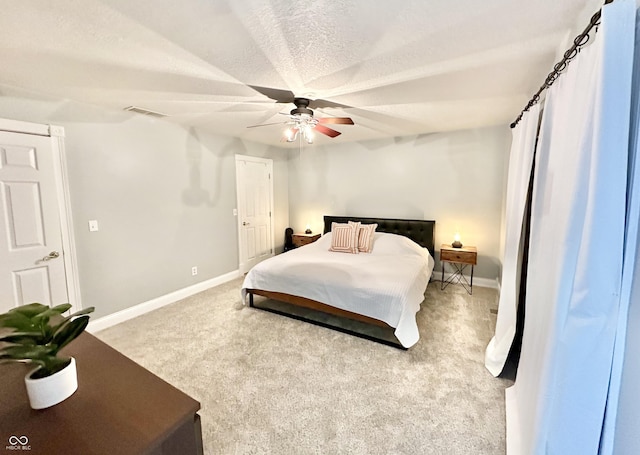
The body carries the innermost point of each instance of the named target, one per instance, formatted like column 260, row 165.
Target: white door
column 32, row 267
column 255, row 207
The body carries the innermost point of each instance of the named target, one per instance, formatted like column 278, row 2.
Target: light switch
column 235, row 212
column 93, row 225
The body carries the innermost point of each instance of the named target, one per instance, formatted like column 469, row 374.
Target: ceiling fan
column 301, row 120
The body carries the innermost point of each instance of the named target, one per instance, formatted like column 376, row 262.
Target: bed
column 383, row 288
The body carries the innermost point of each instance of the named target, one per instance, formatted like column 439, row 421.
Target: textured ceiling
column 399, row 68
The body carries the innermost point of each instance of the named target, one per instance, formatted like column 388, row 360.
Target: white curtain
column 622, row 418
column 520, row 161
column 557, row 403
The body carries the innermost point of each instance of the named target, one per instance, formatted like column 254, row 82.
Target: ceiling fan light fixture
column 307, row 132
column 302, row 122
column 291, row 134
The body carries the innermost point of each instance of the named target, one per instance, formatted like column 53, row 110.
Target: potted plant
column 35, row 333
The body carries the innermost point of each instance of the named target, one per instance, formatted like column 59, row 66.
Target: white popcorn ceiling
column 404, row 68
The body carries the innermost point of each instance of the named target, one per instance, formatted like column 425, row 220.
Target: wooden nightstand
column 304, row 239
column 459, row 259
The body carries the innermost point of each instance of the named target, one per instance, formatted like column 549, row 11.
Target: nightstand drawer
column 304, row 239
column 465, row 257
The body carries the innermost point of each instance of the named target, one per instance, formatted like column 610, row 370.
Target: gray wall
column 455, row 178
column 163, row 196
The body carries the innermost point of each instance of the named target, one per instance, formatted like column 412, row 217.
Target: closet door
column 254, row 187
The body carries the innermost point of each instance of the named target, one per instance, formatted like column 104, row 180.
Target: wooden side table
column 304, row 239
column 459, row 259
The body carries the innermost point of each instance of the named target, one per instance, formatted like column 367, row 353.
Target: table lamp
column 456, row 241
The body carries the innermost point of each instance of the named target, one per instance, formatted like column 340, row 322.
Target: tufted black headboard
column 420, row 231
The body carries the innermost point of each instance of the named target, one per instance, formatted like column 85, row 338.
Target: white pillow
column 365, row 236
column 344, row 237
column 386, row 243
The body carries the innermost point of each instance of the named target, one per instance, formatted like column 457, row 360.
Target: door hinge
column 269, row 175
column 269, row 213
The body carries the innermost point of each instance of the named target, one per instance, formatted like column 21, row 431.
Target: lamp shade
column 456, row 241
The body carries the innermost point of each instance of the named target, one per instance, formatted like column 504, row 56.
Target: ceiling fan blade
column 336, row 120
column 327, row 131
column 265, row 124
column 319, row 104
column 276, row 94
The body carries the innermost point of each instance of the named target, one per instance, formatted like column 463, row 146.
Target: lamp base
column 457, row 244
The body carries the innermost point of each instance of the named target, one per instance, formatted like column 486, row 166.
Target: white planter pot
column 46, row 392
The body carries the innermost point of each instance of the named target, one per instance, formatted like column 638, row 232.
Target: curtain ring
column 571, row 54
column 581, row 40
column 549, row 80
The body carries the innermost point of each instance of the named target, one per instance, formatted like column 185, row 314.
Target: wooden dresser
column 119, row 408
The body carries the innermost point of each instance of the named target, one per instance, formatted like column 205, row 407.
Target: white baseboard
column 477, row 281
column 145, row 307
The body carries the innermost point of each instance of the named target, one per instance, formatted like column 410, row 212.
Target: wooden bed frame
column 420, row 231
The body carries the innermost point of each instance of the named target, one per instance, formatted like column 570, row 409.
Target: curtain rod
column 579, row 41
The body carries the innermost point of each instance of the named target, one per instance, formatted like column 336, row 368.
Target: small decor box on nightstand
column 459, row 259
column 304, row 239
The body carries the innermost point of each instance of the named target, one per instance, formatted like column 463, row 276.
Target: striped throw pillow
column 344, row 237
column 365, row 237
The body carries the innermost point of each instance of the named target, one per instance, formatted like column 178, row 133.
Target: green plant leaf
column 70, row 331
column 43, row 326
column 25, row 338
column 16, row 321
column 5, row 345
column 61, row 308
column 61, row 322
column 7, row 332
column 22, row 352
column 30, row 310
column 56, row 310
column 91, row 309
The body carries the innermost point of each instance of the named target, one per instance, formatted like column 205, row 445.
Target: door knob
column 244, row 223
column 52, row 255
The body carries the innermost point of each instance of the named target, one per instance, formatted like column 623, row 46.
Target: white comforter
column 387, row 284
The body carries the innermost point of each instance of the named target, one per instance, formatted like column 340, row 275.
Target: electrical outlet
column 93, row 225
column 194, row 271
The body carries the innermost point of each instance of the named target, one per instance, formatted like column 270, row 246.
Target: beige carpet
column 272, row 385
